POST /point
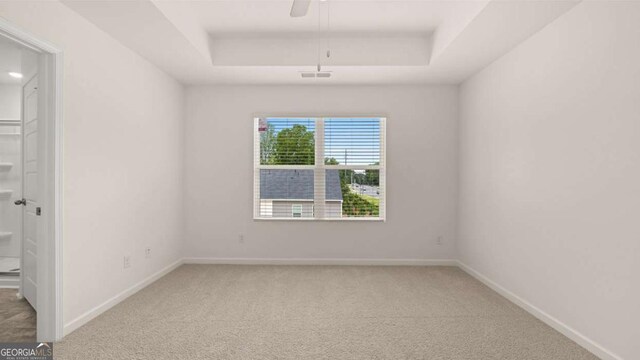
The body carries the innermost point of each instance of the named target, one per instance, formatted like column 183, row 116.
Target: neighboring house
column 289, row 193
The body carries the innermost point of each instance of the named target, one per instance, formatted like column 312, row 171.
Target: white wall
column 123, row 151
column 10, row 96
column 550, row 172
column 421, row 174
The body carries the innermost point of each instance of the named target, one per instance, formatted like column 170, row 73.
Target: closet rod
column 10, row 122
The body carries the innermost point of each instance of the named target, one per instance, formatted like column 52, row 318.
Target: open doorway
column 18, row 248
column 30, row 216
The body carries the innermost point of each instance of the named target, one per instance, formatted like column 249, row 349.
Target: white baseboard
column 558, row 325
column 325, row 261
column 93, row 313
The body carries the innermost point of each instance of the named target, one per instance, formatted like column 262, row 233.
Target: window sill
column 320, row 220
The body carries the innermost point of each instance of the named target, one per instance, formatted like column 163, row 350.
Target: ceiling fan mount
column 300, row 8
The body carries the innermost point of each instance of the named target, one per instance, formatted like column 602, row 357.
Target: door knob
column 20, row 202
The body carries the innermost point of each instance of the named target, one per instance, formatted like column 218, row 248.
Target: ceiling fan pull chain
column 319, row 35
column 328, row 29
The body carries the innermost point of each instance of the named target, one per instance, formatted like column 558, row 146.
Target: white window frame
column 320, row 169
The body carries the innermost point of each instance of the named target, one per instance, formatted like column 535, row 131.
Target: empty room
column 320, row 179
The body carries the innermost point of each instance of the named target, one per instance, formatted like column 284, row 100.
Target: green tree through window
column 290, row 146
column 354, row 204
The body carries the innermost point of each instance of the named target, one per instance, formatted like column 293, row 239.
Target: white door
column 31, row 203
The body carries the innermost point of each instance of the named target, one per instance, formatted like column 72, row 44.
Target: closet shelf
column 5, row 194
column 5, row 166
column 5, row 235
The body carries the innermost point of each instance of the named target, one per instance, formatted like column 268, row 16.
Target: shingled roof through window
column 296, row 184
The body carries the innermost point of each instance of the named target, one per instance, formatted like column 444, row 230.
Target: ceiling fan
column 300, row 8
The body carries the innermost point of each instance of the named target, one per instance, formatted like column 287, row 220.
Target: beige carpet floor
column 317, row 312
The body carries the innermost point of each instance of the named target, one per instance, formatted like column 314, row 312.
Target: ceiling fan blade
column 299, row 8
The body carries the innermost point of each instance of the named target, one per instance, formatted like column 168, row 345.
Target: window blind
column 319, row 168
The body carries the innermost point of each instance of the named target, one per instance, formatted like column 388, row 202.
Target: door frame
column 50, row 67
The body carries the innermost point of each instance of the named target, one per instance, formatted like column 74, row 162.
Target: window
column 319, row 168
column 296, row 210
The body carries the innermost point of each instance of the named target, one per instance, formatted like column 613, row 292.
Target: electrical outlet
column 127, row 261
column 439, row 241
column 241, row 239
column 147, row 252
